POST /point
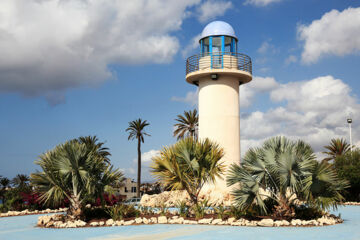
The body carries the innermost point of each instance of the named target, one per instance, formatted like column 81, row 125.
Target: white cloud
column 290, row 59
column 212, row 9
column 266, row 47
column 336, row 33
column 50, row 46
column 191, row 98
column 261, row 3
column 314, row 110
column 192, row 45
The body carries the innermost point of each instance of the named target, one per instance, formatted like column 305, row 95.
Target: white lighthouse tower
column 218, row 71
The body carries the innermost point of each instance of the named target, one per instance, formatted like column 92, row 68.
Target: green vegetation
column 188, row 165
column 348, row 168
column 121, row 211
column 284, row 171
column 187, row 125
column 337, row 147
column 136, row 131
column 77, row 170
column 182, row 208
column 200, row 208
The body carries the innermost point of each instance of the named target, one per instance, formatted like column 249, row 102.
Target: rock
column 101, row 223
column 138, row 220
column 94, row 224
column 162, row 220
column 119, row 223
column 216, row 221
column 109, row 222
column 153, row 220
column 205, row 221
column 231, row 220
column 179, row 220
column 126, row 223
column 266, row 223
column 146, row 221
column 296, row 222
column 80, row 223
column 277, row 223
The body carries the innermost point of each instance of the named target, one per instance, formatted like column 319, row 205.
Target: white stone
column 109, row 222
column 266, row 223
column 101, row 223
column 153, row 220
column 146, row 221
column 205, row 221
column 231, row 220
column 94, row 224
column 138, row 220
column 216, row 221
column 162, row 220
column 126, row 223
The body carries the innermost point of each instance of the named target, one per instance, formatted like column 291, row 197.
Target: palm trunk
column 139, row 169
column 75, row 207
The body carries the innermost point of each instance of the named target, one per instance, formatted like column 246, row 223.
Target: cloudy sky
column 88, row 67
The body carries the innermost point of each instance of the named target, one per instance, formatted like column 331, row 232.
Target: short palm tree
column 74, row 171
column 136, row 131
column 5, row 183
column 337, row 147
column 284, row 171
column 187, row 125
column 21, row 181
column 188, row 165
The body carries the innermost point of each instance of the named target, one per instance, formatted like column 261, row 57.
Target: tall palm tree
column 287, row 171
column 21, row 181
column 188, row 165
column 187, row 125
column 336, row 148
column 74, row 171
column 136, row 131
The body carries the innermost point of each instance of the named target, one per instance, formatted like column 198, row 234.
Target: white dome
column 218, row 28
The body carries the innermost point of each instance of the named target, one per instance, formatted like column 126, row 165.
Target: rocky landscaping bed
column 27, row 212
column 352, row 203
column 57, row 221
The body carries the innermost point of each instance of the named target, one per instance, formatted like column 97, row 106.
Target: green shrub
column 221, row 212
column 200, row 208
column 182, row 208
column 163, row 209
column 95, row 213
column 307, row 213
column 146, row 210
column 3, row 208
column 236, row 212
column 121, row 211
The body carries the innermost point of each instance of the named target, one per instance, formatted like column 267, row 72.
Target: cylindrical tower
column 218, row 71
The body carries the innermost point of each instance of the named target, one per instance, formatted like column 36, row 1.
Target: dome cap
column 217, row 28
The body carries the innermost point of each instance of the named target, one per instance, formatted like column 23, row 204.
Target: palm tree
column 21, row 181
column 188, row 165
column 187, row 125
column 75, row 171
column 136, row 131
column 5, row 183
column 92, row 142
column 284, row 171
column 337, row 147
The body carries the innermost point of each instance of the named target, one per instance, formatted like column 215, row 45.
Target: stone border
column 351, row 203
column 54, row 221
column 27, row 212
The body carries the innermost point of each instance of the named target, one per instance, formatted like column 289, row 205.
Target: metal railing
column 219, row 60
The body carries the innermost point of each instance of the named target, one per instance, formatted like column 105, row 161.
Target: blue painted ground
column 22, row 228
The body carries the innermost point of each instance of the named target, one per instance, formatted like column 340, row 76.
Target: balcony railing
column 219, row 60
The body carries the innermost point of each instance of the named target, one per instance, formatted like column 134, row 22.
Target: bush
column 95, row 213
column 199, row 209
column 121, row 211
column 307, row 213
column 182, row 208
column 221, row 212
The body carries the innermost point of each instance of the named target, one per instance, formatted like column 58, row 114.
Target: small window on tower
column 228, row 41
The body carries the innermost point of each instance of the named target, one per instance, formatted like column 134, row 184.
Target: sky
column 71, row 68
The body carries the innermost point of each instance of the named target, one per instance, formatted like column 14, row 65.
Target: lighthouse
column 218, row 71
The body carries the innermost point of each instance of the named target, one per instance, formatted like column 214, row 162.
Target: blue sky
column 85, row 67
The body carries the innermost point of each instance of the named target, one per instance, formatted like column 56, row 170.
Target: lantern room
column 218, row 36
